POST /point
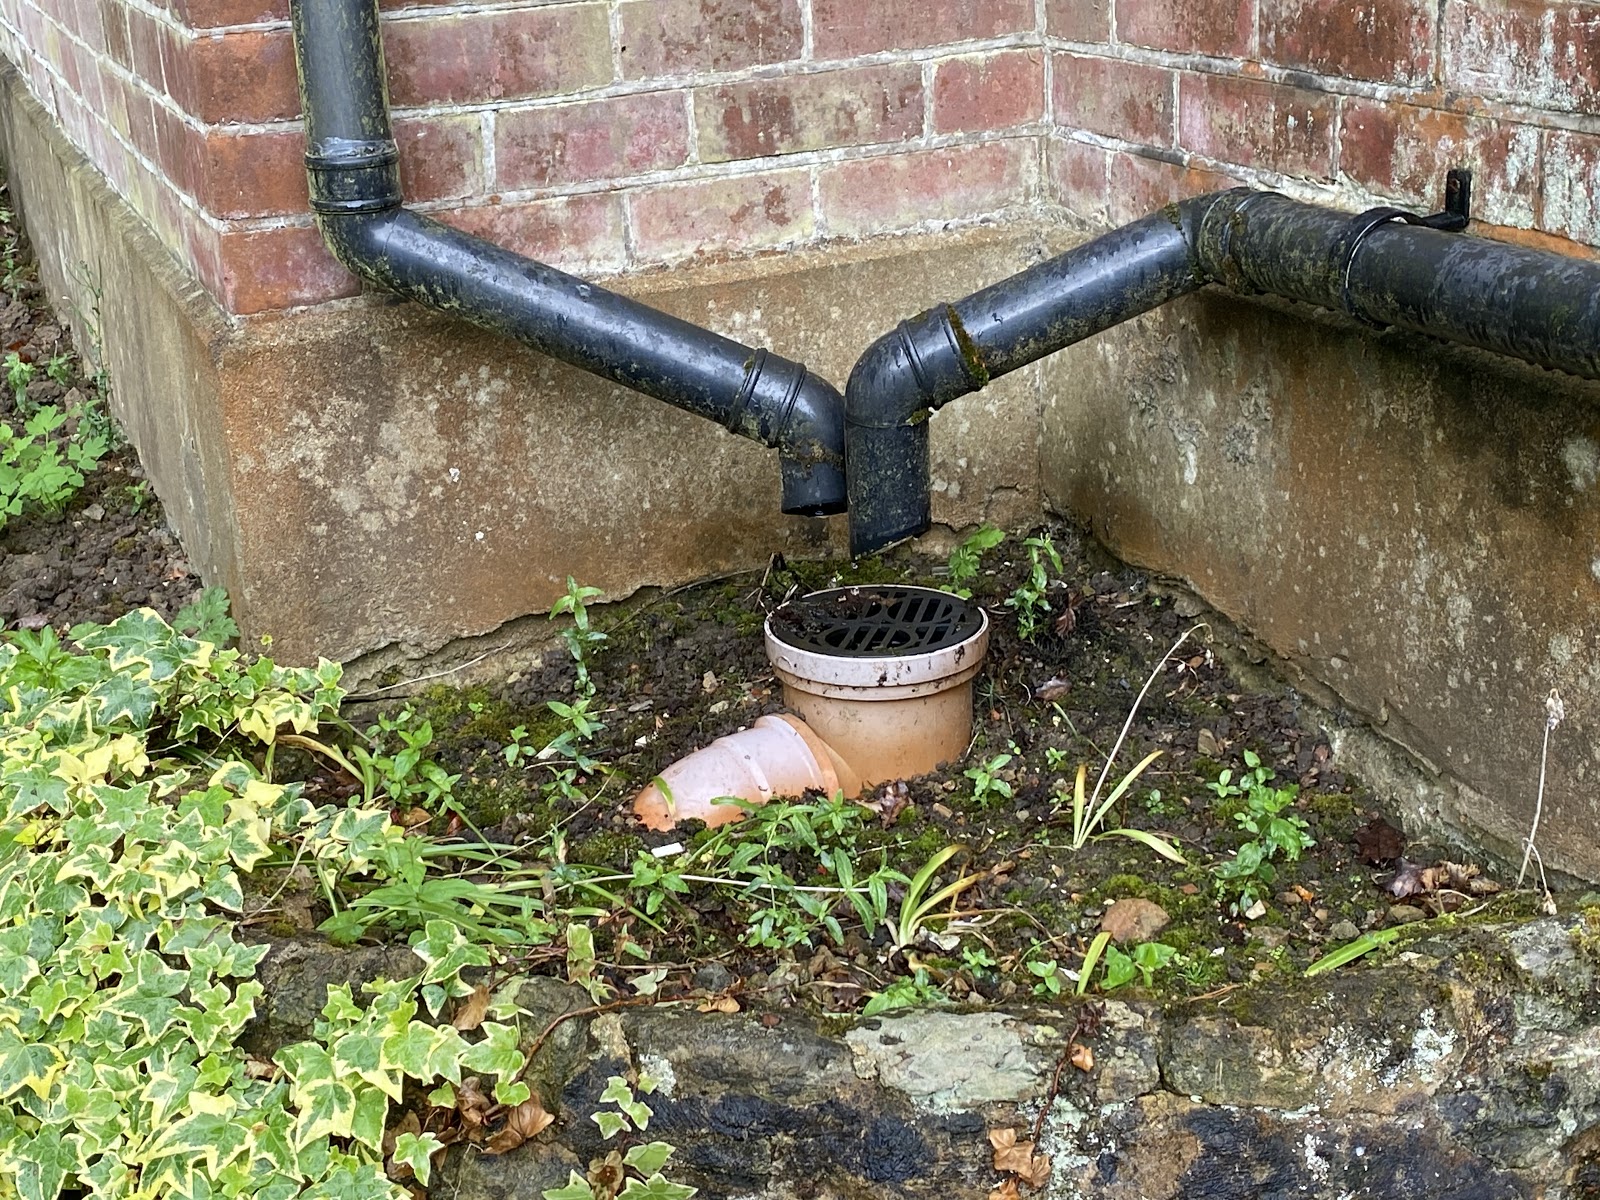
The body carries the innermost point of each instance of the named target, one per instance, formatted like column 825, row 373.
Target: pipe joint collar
column 782, row 404
column 349, row 175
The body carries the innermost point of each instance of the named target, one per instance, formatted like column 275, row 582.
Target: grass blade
column 1156, row 842
column 1351, row 951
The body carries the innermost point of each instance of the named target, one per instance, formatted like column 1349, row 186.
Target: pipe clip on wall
column 352, row 167
column 1386, row 267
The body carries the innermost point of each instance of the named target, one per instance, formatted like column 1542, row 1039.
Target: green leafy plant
column 1028, row 600
column 919, row 904
column 1048, row 977
column 59, row 368
column 580, row 638
column 131, row 813
column 636, row 1174
column 1090, row 814
column 206, row 619
column 909, row 991
column 988, row 785
column 19, row 374
column 1275, row 833
column 967, row 558
column 39, row 469
column 1144, row 960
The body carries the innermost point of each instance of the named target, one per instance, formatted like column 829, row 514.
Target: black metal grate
column 857, row 622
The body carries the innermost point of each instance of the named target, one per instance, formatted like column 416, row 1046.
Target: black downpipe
column 352, row 166
column 1381, row 268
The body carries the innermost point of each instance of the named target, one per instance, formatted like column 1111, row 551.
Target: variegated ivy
column 128, row 812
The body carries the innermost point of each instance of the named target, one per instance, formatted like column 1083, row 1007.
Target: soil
column 680, row 669
column 109, row 550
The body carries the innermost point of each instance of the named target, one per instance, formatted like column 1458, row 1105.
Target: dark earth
column 109, row 550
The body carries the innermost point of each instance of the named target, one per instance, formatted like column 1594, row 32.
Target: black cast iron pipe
column 352, row 166
column 1529, row 304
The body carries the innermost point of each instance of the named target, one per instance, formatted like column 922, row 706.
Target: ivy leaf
column 142, row 637
column 497, row 1053
column 29, row 1065
column 649, row 1158
column 417, row 1151
column 576, row 1188
column 49, row 1160
column 657, row 1187
column 610, row 1123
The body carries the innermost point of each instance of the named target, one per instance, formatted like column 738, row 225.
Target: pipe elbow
column 811, row 450
column 894, row 388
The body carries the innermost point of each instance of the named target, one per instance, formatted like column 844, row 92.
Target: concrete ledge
column 1416, row 526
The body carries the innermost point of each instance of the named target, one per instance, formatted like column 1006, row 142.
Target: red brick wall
column 609, row 135
column 601, row 135
column 1353, row 102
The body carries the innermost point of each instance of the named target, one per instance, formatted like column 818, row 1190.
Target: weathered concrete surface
column 403, row 478
column 374, row 479
column 1415, row 526
column 1466, row 1066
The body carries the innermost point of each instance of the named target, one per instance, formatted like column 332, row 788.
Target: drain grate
column 859, row 622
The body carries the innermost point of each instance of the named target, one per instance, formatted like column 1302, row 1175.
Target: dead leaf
column 1081, row 1056
column 254, row 1068
column 472, row 1104
column 525, row 1121
column 1006, row 1191
column 1051, row 689
column 1412, row 879
column 1378, row 842
column 722, row 1004
column 1018, row 1158
column 889, row 801
column 1206, row 743
column 472, row 1010
column 412, row 820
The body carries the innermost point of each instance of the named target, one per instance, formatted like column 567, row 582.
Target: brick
column 261, row 270
column 212, row 14
column 1141, row 185
column 672, row 37
column 145, row 38
column 601, row 139
column 856, row 107
column 1571, row 186
column 492, row 55
column 1221, row 27
column 873, row 195
column 988, row 91
column 1078, row 174
column 179, row 149
column 1079, row 20
column 1390, row 41
column 1257, row 124
column 576, row 233
column 745, row 213
column 253, row 174
column 441, row 157
column 247, row 76
column 114, row 28
column 1114, row 98
column 1401, row 152
column 1547, row 55
column 845, row 28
